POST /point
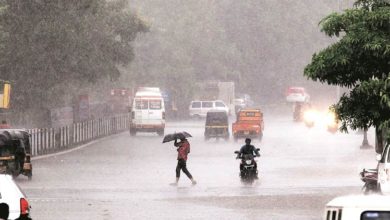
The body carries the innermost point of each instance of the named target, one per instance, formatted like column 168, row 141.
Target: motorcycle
column 248, row 169
column 370, row 179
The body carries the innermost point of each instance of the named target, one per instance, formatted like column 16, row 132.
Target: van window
column 207, row 104
column 219, row 104
column 155, row 104
column 195, row 105
column 375, row 215
column 141, row 104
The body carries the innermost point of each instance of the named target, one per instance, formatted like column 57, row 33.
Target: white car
column 199, row 109
column 11, row 194
column 384, row 171
column 372, row 207
column 297, row 94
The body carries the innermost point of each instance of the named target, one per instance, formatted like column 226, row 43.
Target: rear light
column 163, row 115
column 132, row 115
column 24, row 207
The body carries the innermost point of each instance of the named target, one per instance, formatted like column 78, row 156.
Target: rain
column 141, row 109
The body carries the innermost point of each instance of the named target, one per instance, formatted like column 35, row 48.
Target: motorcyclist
column 248, row 149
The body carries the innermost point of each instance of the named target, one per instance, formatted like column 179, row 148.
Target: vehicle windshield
column 375, row 215
column 155, row 104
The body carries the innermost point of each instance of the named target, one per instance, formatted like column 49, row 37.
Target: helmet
column 247, row 140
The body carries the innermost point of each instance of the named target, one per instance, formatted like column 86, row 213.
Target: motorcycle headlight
column 248, row 162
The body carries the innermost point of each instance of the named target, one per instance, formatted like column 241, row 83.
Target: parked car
column 373, row 207
column 297, row 94
column 199, row 109
column 11, row 194
column 217, row 125
column 249, row 123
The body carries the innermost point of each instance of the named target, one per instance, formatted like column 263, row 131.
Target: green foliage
column 362, row 108
column 363, row 50
column 51, row 45
column 359, row 60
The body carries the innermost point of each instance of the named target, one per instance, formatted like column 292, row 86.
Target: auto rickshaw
column 217, row 125
column 15, row 152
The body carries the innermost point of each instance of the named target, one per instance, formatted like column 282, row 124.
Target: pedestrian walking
column 183, row 149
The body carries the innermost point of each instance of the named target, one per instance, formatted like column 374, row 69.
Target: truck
column 147, row 111
column 249, row 123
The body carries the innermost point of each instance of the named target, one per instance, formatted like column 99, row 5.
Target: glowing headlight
column 331, row 118
column 310, row 115
column 248, row 162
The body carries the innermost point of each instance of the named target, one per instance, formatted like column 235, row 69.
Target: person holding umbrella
column 183, row 149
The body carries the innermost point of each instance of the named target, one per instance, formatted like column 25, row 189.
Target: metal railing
column 51, row 140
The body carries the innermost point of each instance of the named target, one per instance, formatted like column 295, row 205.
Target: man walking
column 183, row 151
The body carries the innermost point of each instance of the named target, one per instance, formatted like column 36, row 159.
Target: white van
column 199, row 109
column 148, row 111
column 372, row 207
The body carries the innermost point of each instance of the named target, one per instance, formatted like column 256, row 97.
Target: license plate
column 27, row 166
column 246, row 132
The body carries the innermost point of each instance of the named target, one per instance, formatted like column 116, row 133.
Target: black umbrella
column 174, row 136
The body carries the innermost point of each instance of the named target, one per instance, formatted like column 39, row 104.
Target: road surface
column 124, row 177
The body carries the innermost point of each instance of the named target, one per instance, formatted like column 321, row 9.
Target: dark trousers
column 182, row 165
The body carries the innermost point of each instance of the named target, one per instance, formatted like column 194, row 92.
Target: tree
column 52, row 46
column 359, row 60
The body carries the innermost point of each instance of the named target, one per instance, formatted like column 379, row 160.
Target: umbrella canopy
column 174, row 136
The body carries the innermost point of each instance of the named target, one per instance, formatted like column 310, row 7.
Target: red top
column 183, row 150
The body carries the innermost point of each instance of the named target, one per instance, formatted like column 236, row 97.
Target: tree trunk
column 379, row 140
column 365, row 143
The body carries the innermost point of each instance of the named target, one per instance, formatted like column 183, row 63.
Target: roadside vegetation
column 359, row 60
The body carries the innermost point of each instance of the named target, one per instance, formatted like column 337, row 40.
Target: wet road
column 123, row 177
